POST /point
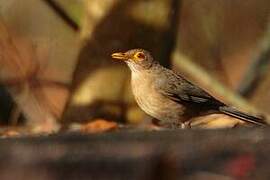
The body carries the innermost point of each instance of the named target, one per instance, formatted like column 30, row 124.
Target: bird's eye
column 139, row 55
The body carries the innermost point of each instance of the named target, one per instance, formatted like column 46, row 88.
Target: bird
column 170, row 98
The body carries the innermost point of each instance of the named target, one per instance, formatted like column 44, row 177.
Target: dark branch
column 62, row 14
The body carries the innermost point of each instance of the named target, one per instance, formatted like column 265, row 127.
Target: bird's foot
column 186, row 125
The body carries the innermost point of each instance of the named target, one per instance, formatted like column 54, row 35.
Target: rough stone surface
column 127, row 154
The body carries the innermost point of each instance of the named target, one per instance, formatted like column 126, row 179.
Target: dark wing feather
column 180, row 90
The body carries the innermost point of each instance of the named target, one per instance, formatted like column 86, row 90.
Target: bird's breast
column 151, row 101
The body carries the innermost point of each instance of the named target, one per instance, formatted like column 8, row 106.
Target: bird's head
column 137, row 59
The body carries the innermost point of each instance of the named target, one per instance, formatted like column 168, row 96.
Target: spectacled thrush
column 170, row 98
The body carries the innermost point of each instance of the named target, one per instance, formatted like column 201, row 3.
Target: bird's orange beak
column 120, row 55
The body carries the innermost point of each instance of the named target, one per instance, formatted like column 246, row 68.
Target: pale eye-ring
column 139, row 55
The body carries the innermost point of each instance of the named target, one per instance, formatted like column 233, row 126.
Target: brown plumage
column 170, row 98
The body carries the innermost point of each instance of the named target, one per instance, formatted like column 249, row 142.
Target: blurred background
column 56, row 65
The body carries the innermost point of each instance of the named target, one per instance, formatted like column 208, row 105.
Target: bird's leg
column 151, row 124
column 155, row 122
column 155, row 125
column 186, row 125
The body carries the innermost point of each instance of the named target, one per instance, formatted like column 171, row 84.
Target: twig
column 171, row 35
column 257, row 69
column 15, row 115
column 62, row 14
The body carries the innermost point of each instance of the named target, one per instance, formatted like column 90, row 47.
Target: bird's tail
column 243, row 116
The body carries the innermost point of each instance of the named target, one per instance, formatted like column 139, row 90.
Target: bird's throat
column 134, row 67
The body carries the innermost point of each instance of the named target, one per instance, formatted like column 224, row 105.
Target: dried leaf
column 99, row 126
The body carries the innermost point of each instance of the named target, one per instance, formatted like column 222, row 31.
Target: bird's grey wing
column 180, row 90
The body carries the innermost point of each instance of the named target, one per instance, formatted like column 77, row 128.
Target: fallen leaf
column 99, row 126
column 10, row 133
